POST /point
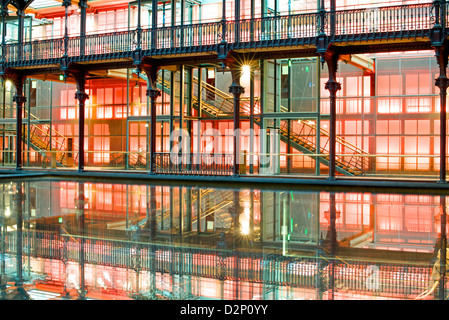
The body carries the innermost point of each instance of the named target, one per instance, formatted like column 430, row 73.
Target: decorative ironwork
column 395, row 22
column 19, row 99
column 193, row 163
column 442, row 83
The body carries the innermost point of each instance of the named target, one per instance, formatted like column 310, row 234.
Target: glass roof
column 39, row 4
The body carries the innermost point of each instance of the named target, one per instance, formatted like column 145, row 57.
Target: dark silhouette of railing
column 395, row 22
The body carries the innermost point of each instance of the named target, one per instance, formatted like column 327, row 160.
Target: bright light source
column 246, row 75
column 244, row 221
column 7, row 212
column 8, row 84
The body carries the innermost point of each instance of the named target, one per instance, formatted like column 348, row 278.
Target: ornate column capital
column 153, row 93
column 81, row 96
column 236, row 89
column 3, row 12
column 82, row 4
column 442, row 82
column 333, row 86
column 67, row 3
column 19, row 99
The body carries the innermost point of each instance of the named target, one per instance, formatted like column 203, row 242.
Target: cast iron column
column 332, row 17
column 81, row 96
column 223, row 22
column 139, row 26
column 82, row 4
column 21, row 21
column 19, row 99
column 153, row 93
column 154, row 24
column 66, row 4
column 333, row 86
column 436, row 6
column 4, row 14
column 442, row 82
column 237, row 90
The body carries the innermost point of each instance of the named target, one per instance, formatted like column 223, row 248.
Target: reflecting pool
column 90, row 240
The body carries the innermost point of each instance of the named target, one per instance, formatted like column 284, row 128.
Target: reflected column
column 65, row 261
column 18, row 198
column 3, row 249
column 333, row 244
column 151, row 223
column 79, row 205
column 327, row 247
column 236, row 215
column 443, row 250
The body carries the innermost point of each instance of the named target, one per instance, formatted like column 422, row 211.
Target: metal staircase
column 44, row 139
column 353, row 162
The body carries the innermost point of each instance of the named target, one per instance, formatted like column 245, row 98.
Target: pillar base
column 82, row 295
column 66, row 294
column 17, row 294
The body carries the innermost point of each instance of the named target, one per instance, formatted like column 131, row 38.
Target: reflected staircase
column 222, row 218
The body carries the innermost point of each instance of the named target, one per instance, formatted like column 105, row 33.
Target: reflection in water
column 82, row 240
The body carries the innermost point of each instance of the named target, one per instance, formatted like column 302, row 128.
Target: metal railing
column 193, row 163
column 384, row 19
column 299, row 29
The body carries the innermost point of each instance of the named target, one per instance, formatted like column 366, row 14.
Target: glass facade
column 303, row 90
column 284, row 110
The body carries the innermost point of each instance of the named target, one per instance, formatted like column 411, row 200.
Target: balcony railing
column 395, row 22
column 419, row 17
